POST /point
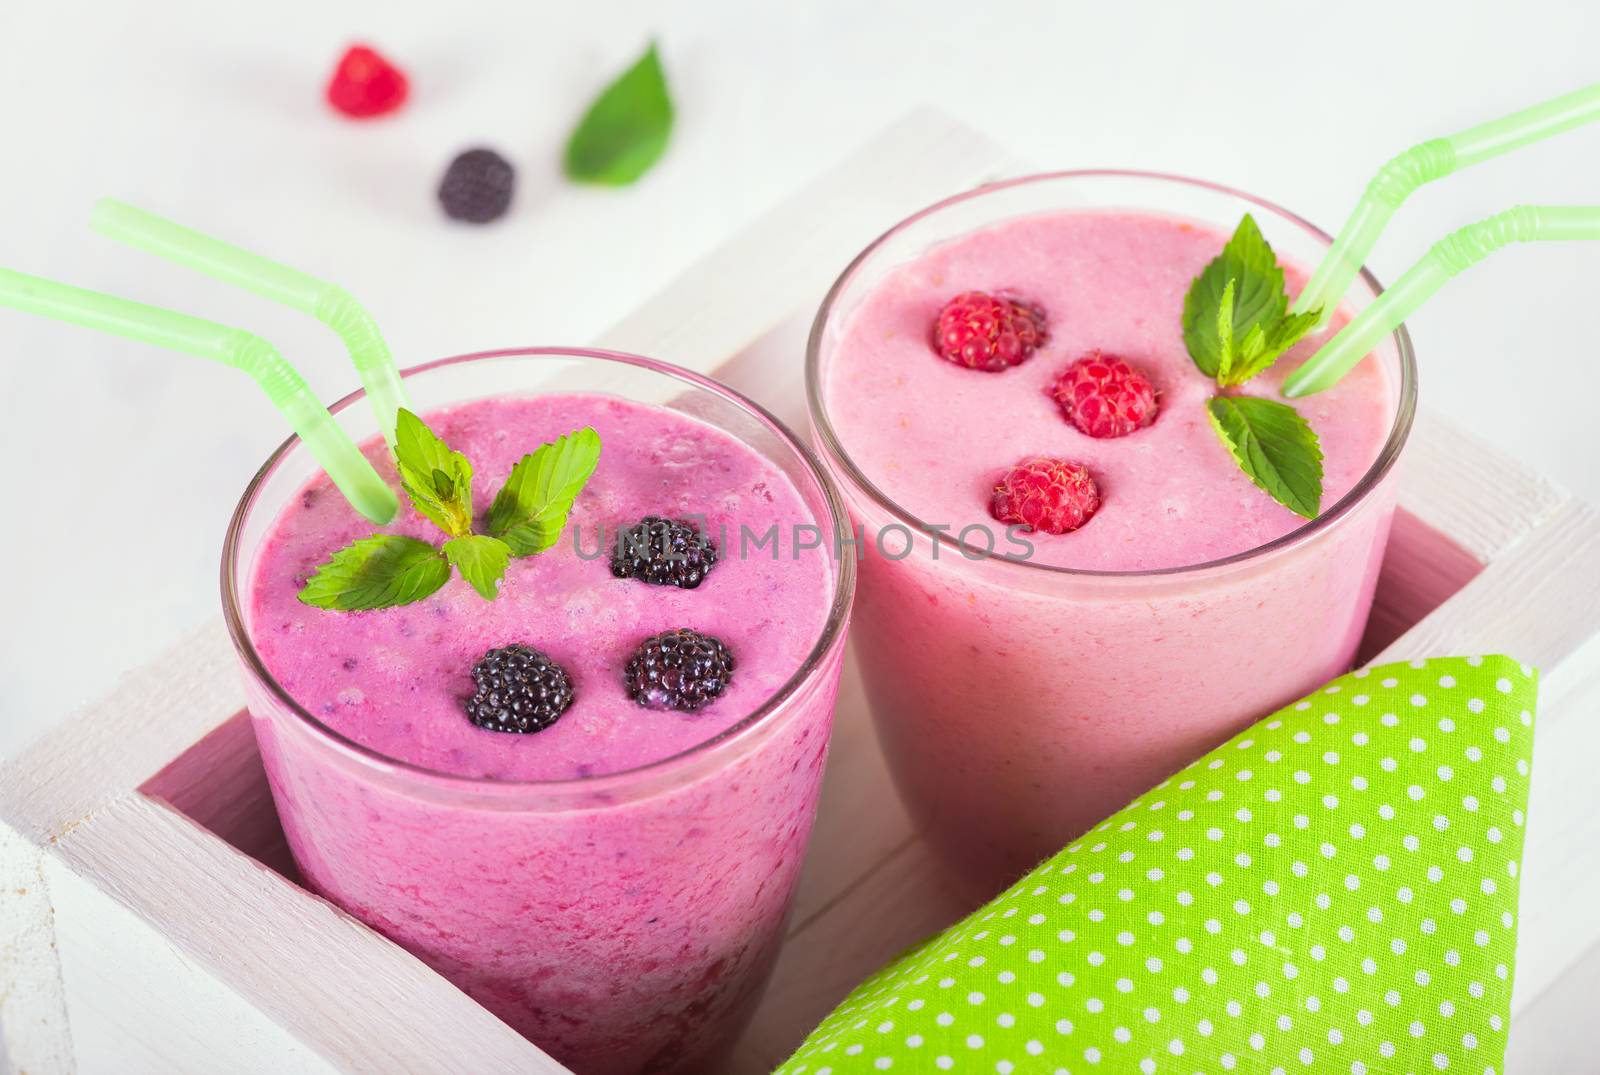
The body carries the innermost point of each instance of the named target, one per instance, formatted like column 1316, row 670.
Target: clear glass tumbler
column 627, row 922
column 1018, row 703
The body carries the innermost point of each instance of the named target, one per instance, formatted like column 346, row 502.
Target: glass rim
column 828, row 640
column 833, row 449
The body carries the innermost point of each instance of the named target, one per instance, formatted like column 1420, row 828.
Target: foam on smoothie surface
column 934, row 437
column 394, row 679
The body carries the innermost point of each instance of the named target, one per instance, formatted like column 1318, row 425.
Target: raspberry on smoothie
column 1104, row 396
column 1057, row 372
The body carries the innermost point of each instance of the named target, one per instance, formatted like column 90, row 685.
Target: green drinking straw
column 325, row 438
column 1447, row 257
column 1423, row 163
column 328, row 303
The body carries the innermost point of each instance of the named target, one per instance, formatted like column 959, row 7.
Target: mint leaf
column 481, row 560
column 531, row 508
column 1261, row 349
column 438, row 480
column 1225, row 332
column 1248, row 354
column 1258, row 299
column 625, row 130
column 376, row 572
column 1274, row 446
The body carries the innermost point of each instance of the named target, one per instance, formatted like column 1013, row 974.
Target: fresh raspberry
column 988, row 332
column 366, row 85
column 1053, row 495
column 1104, row 396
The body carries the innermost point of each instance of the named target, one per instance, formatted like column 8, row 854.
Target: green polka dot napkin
column 1333, row 890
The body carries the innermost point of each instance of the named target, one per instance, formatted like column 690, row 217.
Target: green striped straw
column 288, row 391
column 1449, row 256
column 1423, row 163
column 328, row 303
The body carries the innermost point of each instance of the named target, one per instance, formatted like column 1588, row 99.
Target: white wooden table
column 151, row 923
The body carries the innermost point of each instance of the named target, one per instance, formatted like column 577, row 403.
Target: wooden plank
column 1557, row 1034
column 34, row 1027
column 220, row 784
column 1459, row 486
column 154, row 715
column 141, row 1007
column 339, row 988
column 1539, row 601
column 1559, row 908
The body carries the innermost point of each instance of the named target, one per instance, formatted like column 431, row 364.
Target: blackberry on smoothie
column 580, row 788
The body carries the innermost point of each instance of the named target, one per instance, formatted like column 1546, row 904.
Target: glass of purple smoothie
column 1023, row 690
column 614, row 886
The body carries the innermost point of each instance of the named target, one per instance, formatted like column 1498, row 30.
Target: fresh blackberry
column 666, row 552
column 519, row 690
column 477, row 186
column 680, row 669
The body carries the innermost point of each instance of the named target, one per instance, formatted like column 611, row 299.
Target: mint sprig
column 1259, row 327
column 1236, row 324
column 1249, row 264
column 527, row 517
column 625, row 131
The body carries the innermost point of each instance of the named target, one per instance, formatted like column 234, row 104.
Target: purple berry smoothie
column 613, row 887
column 1019, row 703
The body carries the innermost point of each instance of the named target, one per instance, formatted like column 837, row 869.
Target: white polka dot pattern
column 1333, row 890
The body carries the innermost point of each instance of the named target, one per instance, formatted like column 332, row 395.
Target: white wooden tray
column 150, row 921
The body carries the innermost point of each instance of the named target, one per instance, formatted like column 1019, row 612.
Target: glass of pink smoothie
column 1024, row 689
column 614, row 886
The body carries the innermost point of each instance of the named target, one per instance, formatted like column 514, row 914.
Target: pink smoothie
column 394, row 679
column 1018, row 705
column 934, row 436
column 625, row 924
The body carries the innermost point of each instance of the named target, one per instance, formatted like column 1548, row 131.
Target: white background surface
column 122, row 463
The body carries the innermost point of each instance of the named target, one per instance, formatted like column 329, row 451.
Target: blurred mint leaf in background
column 625, row 131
